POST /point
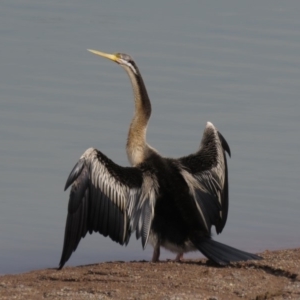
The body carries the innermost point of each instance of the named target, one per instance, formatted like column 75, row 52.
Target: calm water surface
column 235, row 64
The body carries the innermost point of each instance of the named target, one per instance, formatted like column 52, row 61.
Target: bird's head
column 122, row 59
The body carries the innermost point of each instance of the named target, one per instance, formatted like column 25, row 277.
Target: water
column 232, row 63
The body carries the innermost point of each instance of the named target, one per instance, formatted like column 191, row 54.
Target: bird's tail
column 220, row 253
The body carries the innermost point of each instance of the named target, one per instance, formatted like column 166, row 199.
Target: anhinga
column 169, row 202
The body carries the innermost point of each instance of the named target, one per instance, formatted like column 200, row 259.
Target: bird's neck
column 137, row 147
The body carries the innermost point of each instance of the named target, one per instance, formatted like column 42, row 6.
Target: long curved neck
column 137, row 147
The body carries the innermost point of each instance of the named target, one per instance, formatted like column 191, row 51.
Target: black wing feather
column 99, row 199
column 225, row 192
column 74, row 173
column 75, row 230
column 105, row 215
column 209, row 167
column 224, row 144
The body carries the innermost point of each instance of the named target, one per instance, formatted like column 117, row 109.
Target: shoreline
column 277, row 276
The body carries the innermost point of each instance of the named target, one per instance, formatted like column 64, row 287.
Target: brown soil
column 277, row 276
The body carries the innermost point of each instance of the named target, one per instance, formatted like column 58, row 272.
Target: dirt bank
column 274, row 277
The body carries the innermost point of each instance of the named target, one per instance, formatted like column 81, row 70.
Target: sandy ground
column 277, row 276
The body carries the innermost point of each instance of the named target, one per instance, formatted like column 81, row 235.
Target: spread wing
column 206, row 173
column 109, row 199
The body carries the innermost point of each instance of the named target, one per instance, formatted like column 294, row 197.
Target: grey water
column 233, row 63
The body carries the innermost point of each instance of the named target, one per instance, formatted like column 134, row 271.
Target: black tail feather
column 221, row 253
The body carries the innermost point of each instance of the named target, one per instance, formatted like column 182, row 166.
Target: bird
column 170, row 203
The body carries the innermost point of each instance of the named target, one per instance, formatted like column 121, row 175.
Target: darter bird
column 171, row 203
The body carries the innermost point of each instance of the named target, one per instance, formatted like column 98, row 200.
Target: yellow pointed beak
column 112, row 57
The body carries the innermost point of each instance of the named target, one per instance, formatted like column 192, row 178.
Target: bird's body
column 169, row 202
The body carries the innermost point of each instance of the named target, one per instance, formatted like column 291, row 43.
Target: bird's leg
column 156, row 253
column 179, row 257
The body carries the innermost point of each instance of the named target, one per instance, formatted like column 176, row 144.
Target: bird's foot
column 179, row 257
column 156, row 253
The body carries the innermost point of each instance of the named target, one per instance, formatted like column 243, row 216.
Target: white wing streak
column 206, row 175
column 109, row 199
column 141, row 207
